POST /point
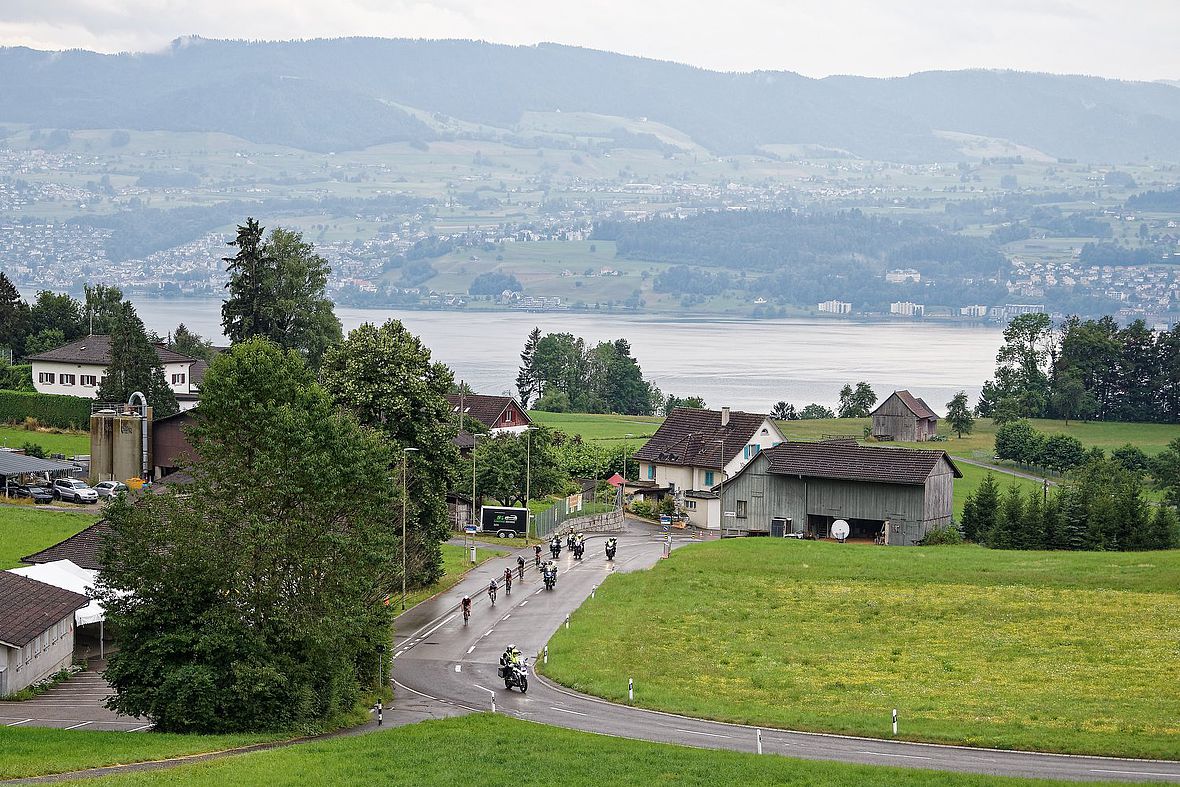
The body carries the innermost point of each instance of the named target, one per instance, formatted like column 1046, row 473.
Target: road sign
column 470, row 530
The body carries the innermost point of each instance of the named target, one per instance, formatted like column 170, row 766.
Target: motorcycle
column 515, row 676
column 555, row 549
column 550, row 578
column 578, row 550
column 610, row 551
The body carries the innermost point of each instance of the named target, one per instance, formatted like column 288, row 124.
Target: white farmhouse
column 77, row 368
column 694, row 451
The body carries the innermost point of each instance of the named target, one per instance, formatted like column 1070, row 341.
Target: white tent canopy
column 70, row 576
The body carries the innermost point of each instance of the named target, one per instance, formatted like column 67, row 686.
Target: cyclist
column 537, row 555
column 520, row 567
column 466, row 604
column 492, row 592
column 508, row 581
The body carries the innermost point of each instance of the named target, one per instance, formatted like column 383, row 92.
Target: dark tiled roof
column 96, row 349
column 688, row 437
column 81, row 548
column 485, row 409
column 12, row 464
column 29, row 607
column 913, row 403
column 464, row 440
column 196, row 372
column 850, row 462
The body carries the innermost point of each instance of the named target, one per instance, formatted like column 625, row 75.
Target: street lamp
column 528, row 465
column 623, row 486
column 405, row 451
column 474, row 435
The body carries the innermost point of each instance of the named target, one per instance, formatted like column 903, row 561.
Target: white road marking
column 441, row 623
column 400, row 652
column 471, row 649
column 1136, row 773
column 710, row 734
column 458, row 668
column 506, row 617
column 886, row 754
column 18, row 723
column 141, row 729
column 76, row 726
column 524, row 602
column 538, row 590
column 567, row 710
column 489, row 632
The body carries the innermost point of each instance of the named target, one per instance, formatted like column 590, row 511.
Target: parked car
column 110, row 488
column 39, row 494
column 74, row 490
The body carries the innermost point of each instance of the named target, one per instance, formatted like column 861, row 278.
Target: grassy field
column 1030, row 650
column 24, row 530
column 601, row 428
column 68, row 443
column 488, row 749
column 456, row 563
column 32, row 751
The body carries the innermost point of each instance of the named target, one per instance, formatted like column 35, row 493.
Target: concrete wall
column 596, row 523
column 46, row 655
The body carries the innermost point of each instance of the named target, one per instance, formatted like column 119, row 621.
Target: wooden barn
column 896, row 495
column 905, row 418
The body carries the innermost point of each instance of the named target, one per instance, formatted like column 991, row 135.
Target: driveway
column 75, row 704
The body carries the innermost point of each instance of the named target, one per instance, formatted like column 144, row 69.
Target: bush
column 64, row 412
column 642, row 508
column 33, row 449
column 942, row 536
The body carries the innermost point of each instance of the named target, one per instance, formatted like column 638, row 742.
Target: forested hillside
column 341, row 93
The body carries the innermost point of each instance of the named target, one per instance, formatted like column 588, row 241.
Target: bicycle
column 520, row 567
column 507, row 582
column 492, row 592
column 466, row 610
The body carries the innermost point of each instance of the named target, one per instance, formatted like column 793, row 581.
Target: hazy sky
column 1133, row 39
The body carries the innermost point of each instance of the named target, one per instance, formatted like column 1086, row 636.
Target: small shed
column 36, row 630
column 905, row 418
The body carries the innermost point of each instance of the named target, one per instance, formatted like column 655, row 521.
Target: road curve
column 439, row 659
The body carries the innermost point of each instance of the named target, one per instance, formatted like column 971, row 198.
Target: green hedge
column 64, row 412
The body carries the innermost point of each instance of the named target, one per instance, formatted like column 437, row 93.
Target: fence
column 551, row 520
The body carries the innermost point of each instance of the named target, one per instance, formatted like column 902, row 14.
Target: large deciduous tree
column 958, row 415
column 858, row 402
column 135, row 366
column 386, row 378
column 276, row 290
column 507, row 467
column 252, row 597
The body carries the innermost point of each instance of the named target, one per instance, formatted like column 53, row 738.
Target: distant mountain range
column 351, row 93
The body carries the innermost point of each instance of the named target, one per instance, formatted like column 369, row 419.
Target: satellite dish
column 840, row 529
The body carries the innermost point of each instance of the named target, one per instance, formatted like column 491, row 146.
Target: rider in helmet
column 467, row 603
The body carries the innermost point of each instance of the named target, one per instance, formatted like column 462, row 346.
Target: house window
column 755, row 450
column 46, row 377
column 708, row 478
column 178, row 379
column 741, row 509
column 690, row 505
column 89, row 380
column 746, row 452
column 651, row 472
column 68, row 379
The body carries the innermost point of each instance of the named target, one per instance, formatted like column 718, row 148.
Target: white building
column 903, row 275
column 973, row 311
column 694, row 451
column 836, row 307
column 907, row 309
column 36, row 630
column 77, row 369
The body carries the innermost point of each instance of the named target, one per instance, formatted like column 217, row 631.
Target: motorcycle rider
column 611, row 546
column 555, row 547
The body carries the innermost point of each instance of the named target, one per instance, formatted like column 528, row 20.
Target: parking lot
column 73, row 704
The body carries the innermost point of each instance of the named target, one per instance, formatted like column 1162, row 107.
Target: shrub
column 942, row 536
column 65, row 412
column 33, row 449
column 644, row 509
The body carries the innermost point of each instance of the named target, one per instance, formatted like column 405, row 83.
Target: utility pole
column 405, row 452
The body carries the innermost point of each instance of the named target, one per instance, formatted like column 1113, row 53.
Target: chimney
column 725, row 416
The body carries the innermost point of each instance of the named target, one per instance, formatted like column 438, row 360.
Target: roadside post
column 546, row 654
column 759, row 741
column 380, row 709
column 567, row 620
column 631, row 690
column 469, row 537
column 895, row 721
column 592, row 591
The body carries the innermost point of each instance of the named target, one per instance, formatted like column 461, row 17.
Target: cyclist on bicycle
column 537, row 555
column 466, row 604
column 492, row 592
column 508, row 582
column 520, row 567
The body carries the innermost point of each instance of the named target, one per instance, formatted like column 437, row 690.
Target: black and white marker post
column 895, row 722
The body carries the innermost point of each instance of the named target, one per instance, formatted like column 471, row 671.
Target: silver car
column 110, row 488
column 74, row 490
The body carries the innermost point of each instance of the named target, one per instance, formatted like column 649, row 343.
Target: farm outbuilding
column 905, row 418
column 896, row 495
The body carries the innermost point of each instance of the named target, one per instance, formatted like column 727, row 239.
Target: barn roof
column 851, row 462
column 483, row 408
column 81, row 549
column 915, row 404
column 689, row 436
column 29, row 607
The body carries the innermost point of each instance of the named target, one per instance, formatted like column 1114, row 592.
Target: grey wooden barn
column 904, row 417
column 894, row 494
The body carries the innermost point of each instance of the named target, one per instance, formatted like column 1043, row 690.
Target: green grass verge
column 33, row 751
column 25, row 530
column 486, row 749
column 456, row 563
column 1065, row 652
column 601, row 427
column 68, row 443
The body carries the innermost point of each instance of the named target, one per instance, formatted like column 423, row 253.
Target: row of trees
column 567, row 374
column 1087, row 369
column 1018, row 442
column 274, row 596
column 1101, row 508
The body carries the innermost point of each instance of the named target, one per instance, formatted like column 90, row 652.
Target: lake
column 747, row 365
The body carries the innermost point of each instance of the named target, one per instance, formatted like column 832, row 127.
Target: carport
column 14, row 466
column 66, row 575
